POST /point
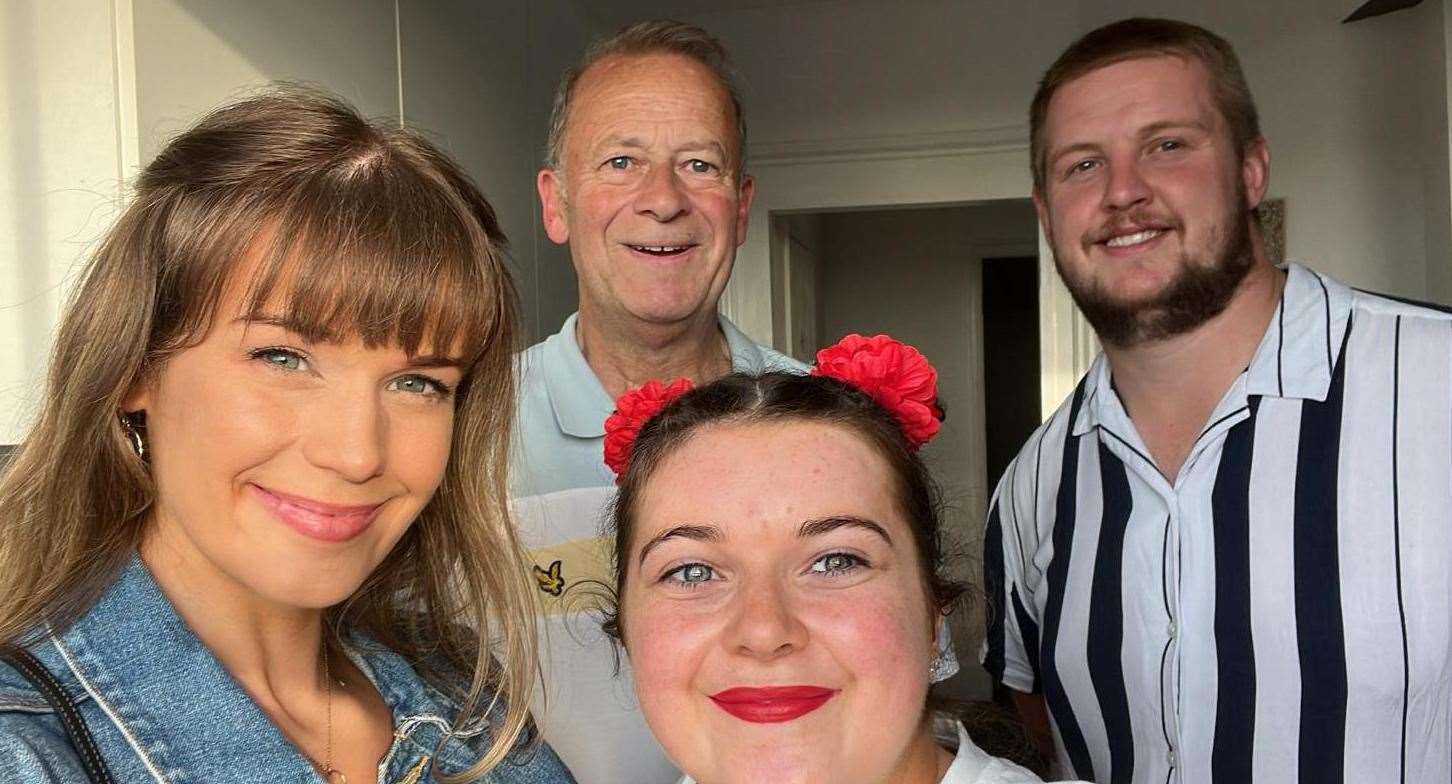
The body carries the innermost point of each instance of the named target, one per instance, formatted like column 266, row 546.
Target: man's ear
column 1255, row 172
column 743, row 206
column 551, row 187
column 1041, row 208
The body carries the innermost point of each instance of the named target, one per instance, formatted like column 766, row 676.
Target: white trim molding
column 884, row 148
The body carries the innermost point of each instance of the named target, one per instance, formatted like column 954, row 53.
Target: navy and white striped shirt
column 1281, row 612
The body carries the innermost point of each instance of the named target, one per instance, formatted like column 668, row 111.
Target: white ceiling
column 617, row 13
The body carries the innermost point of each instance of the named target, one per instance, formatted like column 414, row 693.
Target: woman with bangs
column 259, row 529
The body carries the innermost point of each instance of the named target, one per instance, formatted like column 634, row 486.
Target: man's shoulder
column 1377, row 305
column 1046, row 440
column 773, row 360
column 749, row 356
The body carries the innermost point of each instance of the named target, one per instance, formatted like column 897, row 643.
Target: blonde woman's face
column 289, row 469
column 775, row 612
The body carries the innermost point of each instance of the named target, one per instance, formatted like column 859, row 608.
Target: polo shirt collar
column 579, row 401
column 1295, row 359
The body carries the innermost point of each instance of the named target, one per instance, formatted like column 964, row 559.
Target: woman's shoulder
column 33, row 745
column 973, row 765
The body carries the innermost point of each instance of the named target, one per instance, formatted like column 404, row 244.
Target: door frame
column 914, row 170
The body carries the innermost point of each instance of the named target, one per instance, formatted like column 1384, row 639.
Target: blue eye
column 619, row 162
column 280, row 358
column 1083, row 166
column 699, row 166
column 836, row 563
column 690, row 575
column 1169, row 145
column 421, row 385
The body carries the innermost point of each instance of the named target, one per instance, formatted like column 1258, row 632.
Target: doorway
column 959, row 282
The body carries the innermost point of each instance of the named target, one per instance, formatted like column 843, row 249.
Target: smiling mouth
column 663, row 251
column 316, row 519
column 1130, row 240
column 772, row 705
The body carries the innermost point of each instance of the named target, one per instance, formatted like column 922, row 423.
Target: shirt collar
column 1295, row 358
column 170, row 694
column 579, row 401
column 1298, row 354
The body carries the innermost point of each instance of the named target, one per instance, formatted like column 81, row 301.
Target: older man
column 1225, row 557
column 645, row 183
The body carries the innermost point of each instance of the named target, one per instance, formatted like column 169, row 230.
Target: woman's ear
column 137, row 398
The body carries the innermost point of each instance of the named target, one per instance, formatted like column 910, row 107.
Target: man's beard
column 1199, row 292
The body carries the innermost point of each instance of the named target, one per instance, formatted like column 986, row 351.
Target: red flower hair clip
column 894, row 374
column 632, row 411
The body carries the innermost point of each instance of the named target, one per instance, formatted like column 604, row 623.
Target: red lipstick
column 774, row 704
column 316, row 519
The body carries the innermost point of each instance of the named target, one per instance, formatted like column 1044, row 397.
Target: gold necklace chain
column 330, row 773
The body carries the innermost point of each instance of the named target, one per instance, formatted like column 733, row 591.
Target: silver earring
column 945, row 663
column 135, row 426
column 939, row 669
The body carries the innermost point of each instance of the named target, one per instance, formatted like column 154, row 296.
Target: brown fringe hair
column 366, row 231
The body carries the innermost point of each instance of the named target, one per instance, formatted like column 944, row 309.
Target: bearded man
column 1224, row 558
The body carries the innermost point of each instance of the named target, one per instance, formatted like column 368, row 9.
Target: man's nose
column 1125, row 187
column 662, row 195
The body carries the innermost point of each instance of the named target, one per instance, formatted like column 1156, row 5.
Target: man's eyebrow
column 826, row 525
column 632, row 142
column 1154, row 129
column 700, row 533
column 703, row 144
column 1077, row 147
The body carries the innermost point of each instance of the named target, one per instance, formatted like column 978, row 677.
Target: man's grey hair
column 657, row 36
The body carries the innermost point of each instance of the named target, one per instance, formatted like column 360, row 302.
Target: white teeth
column 1133, row 239
column 660, row 248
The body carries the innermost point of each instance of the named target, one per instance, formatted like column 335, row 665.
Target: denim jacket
column 162, row 708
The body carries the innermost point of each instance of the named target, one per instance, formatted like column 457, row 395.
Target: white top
column 972, row 765
column 1278, row 612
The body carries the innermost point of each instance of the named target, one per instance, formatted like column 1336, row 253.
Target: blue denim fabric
column 162, row 709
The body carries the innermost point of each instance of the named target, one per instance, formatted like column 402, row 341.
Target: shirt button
column 1172, row 629
column 1171, row 757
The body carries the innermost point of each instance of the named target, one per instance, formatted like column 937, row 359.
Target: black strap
column 65, row 709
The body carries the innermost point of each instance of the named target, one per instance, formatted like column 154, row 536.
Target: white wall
column 91, row 90
column 61, row 172
column 479, row 77
column 1355, row 114
column 194, row 55
column 917, row 275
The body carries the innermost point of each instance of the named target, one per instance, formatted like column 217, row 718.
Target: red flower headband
column 892, row 373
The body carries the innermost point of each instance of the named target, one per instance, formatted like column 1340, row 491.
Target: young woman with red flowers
column 779, row 573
